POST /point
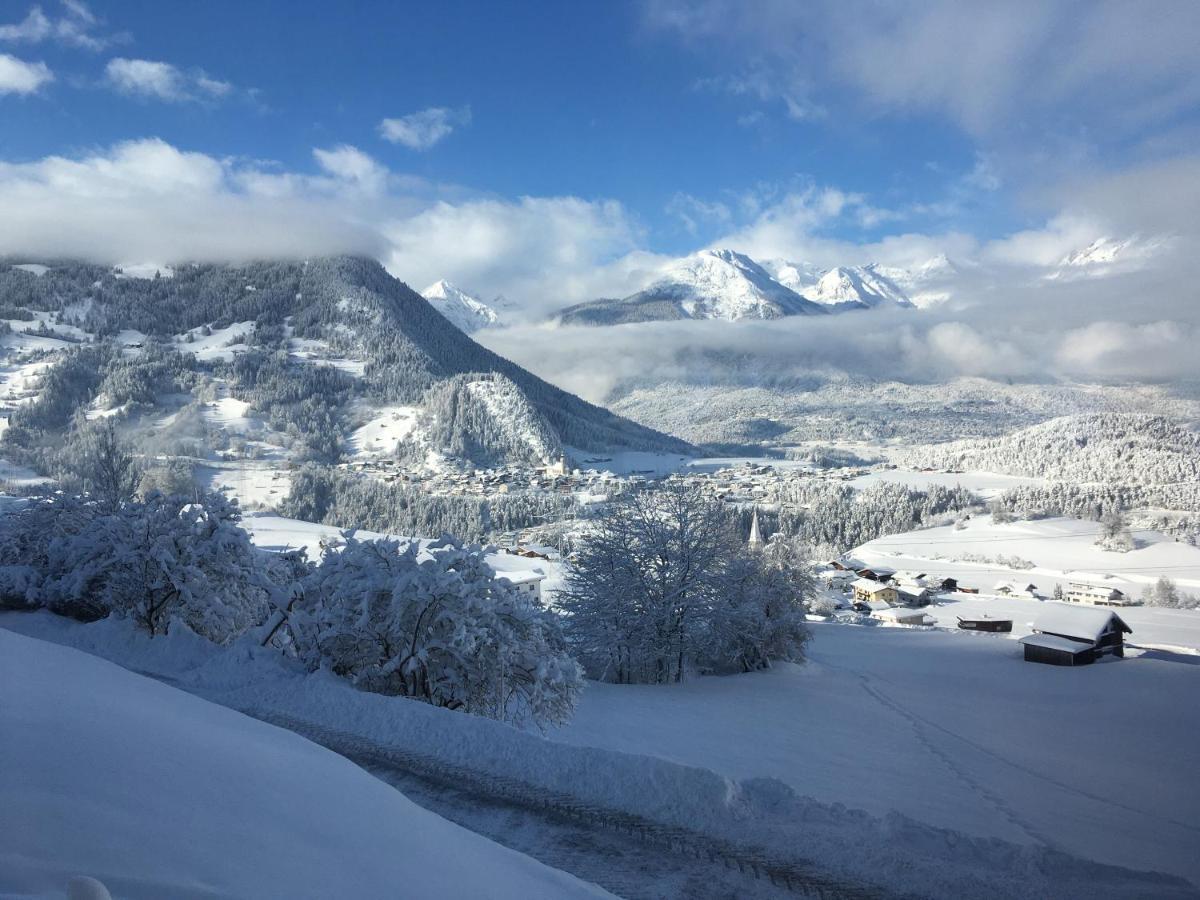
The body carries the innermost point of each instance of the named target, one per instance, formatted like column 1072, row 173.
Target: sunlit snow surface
column 160, row 794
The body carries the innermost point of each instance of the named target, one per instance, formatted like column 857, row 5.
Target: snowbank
column 161, row 794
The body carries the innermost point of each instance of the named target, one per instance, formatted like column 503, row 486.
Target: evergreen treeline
column 1112, row 448
column 348, row 501
column 835, row 518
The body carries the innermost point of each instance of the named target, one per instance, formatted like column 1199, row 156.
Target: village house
column 1074, row 636
column 1096, row 595
column 1016, row 589
column 528, row 582
column 866, row 591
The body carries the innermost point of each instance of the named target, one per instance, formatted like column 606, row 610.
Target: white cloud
column 150, row 79
column 147, row 199
column 352, row 166
column 991, row 67
column 20, row 77
column 75, row 27
column 546, row 252
column 784, row 223
column 421, row 130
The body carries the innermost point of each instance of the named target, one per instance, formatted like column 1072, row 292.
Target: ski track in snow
column 922, row 727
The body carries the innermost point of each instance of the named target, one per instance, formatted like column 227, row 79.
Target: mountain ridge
column 308, row 341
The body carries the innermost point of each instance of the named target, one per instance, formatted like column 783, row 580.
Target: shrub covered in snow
column 155, row 560
column 664, row 585
column 435, row 625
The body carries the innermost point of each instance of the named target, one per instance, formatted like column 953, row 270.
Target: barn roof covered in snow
column 1054, row 642
column 1084, row 622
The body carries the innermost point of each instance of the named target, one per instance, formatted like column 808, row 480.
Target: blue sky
column 565, row 99
column 588, row 140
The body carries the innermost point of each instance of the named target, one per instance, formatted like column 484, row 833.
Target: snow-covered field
column 255, row 483
column 1061, row 551
column 157, row 793
column 272, row 532
column 384, row 431
column 953, row 730
column 783, row 760
column 219, row 343
column 985, row 484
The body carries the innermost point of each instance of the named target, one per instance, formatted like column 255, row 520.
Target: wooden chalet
column 1075, row 636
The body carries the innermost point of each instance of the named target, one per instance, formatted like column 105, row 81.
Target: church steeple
column 755, row 535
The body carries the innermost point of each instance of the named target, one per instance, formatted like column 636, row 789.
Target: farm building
column 1096, row 595
column 866, row 590
column 1073, row 636
column 903, row 616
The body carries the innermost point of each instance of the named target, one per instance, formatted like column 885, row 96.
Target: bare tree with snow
column 436, row 625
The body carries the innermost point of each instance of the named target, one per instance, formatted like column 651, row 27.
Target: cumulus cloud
column 147, row 199
column 76, row 27
column 421, row 130
column 154, row 80
column 546, row 251
column 353, row 166
column 20, row 77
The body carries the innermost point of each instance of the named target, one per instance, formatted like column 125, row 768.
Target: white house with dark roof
column 1096, row 594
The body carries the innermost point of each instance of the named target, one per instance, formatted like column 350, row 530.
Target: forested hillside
column 301, row 342
column 1108, row 448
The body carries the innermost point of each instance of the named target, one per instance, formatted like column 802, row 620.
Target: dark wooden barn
column 1075, row 636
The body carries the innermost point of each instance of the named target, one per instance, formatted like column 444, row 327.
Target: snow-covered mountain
column 840, row 288
column 711, row 284
column 928, row 284
column 725, row 284
column 297, row 357
column 465, row 311
column 1106, row 256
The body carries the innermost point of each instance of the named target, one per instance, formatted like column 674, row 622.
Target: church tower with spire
column 755, row 535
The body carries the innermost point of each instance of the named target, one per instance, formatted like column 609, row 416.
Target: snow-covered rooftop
column 1054, row 642
column 1086, row 622
column 866, row 584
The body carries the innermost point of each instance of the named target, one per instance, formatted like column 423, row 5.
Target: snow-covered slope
column 465, row 311
column 929, row 284
column 840, row 288
column 1106, row 256
column 711, row 284
column 158, row 793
